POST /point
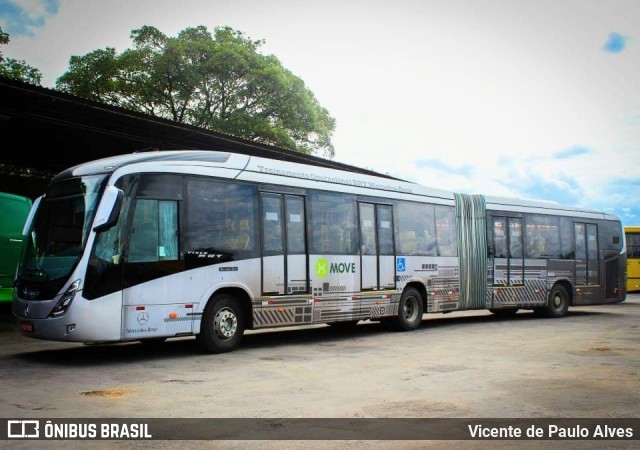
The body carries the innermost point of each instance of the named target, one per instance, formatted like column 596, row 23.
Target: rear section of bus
column 632, row 237
column 14, row 210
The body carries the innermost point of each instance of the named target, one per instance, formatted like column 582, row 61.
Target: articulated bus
column 150, row 246
column 632, row 235
column 13, row 210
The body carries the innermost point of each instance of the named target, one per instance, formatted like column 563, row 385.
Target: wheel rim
column 225, row 324
column 558, row 300
column 410, row 308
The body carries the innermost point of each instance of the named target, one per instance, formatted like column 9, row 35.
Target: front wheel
column 222, row 325
column 558, row 303
column 409, row 311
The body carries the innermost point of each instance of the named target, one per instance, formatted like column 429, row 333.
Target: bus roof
column 278, row 172
column 632, row 229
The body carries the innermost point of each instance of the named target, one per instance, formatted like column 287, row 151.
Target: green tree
column 217, row 81
column 17, row 68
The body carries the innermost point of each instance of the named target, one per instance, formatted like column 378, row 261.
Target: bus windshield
column 60, row 228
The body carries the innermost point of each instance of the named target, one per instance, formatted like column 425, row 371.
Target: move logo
column 324, row 267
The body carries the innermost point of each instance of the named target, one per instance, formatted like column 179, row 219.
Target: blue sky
column 515, row 98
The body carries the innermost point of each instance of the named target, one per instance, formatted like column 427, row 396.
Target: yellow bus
column 632, row 235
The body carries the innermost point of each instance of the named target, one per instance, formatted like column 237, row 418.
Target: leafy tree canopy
column 17, row 69
column 216, row 81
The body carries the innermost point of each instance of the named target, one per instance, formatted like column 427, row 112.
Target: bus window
column 581, row 242
column 416, row 233
column 610, row 237
column 446, row 231
column 333, row 219
column 220, row 219
column 154, row 235
column 272, row 224
column 633, row 245
column 592, row 254
column 515, row 238
column 385, row 229
column 567, row 241
column 104, row 271
column 499, row 237
column 542, row 236
column 295, row 225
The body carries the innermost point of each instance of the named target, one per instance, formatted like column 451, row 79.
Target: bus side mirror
column 32, row 213
column 109, row 209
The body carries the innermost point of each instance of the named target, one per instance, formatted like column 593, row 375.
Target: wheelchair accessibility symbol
column 401, row 264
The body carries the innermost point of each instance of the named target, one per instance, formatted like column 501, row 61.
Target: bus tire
column 558, row 303
column 410, row 311
column 222, row 325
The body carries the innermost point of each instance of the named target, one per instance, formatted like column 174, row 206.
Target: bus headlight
column 66, row 299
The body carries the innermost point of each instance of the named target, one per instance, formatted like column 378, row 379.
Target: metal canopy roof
column 49, row 130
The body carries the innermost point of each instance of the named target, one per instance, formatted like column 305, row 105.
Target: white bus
column 175, row 243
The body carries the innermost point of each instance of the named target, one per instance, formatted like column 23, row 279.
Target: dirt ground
column 459, row 365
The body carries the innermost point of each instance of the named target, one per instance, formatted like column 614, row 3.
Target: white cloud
column 500, row 87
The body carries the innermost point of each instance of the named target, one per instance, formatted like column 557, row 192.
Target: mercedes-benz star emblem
column 143, row 318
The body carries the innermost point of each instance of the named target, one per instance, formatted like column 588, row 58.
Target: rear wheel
column 409, row 311
column 558, row 303
column 222, row 325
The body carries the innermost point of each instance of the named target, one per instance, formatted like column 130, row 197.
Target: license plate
column 26, row 326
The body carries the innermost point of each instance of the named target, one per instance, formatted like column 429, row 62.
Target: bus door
column 153, row 253
column 508, row 258
column 378, row 250
column 284, row 244
column 587, row 272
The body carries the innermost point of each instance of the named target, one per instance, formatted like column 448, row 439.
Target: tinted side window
column 272, row 224
column 633, row 245
column 416, row 227
column 154, row 232
column 500, row 237
column 581, row 241
column 104, row 271
column 163, row 186
column 446, row 231
column 567, row 240
column 220, row 219
column 610, row 238
column 542, row 236
column 333, row 219
column 385, row 229
column 515, row 237
column 295, row 225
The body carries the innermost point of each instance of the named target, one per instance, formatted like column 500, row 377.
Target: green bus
column 14, row 210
